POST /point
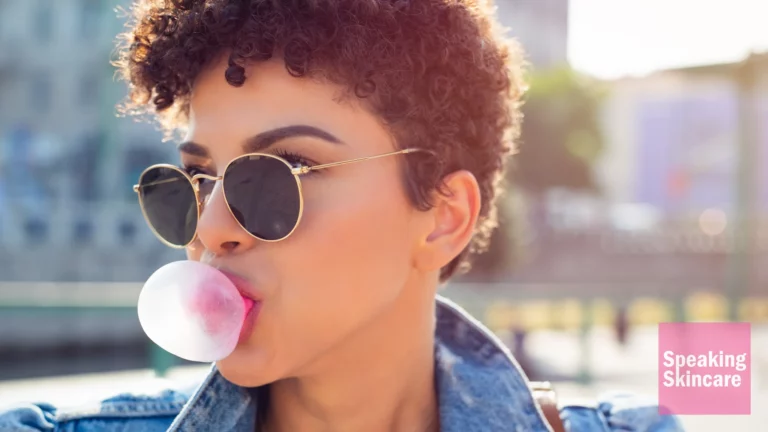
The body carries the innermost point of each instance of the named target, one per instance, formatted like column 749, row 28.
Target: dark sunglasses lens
column 169, row 204
column 263, row 195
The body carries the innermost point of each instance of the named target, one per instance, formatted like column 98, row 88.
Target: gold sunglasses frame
column 296, row 171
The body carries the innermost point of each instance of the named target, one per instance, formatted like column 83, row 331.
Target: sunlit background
column 639, row 195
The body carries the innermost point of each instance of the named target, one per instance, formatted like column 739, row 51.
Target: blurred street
column 633, row 369
column 556, row 357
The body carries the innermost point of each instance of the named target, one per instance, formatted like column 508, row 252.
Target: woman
column 397, row 118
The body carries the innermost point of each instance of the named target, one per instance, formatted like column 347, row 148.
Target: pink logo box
column 704, row 368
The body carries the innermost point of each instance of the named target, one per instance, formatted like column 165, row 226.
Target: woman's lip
column 251, row 301
column 242, row 285
column 249, row 322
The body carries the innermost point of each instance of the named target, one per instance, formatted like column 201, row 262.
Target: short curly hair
column 440, row 74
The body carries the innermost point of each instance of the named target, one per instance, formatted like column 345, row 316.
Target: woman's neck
column 381, row 379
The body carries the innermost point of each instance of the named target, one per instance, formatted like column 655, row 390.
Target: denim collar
column 480, row 386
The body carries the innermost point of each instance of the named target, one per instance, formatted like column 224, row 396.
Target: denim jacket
column 480, row 388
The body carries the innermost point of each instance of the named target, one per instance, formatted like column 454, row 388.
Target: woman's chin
column 246, row 369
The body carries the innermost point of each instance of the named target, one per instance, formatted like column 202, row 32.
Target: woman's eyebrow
column 265, row 139
column 193, row 149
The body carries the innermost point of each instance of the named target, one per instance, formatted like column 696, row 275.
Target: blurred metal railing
column 34, row 316
column 37, row 315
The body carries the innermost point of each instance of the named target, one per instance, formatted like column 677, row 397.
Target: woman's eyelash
column 293, row 158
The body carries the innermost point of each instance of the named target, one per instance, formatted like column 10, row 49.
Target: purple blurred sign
column 687, row 152
column 762, row 170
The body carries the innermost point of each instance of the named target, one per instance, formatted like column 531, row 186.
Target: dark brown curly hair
column 438, row 73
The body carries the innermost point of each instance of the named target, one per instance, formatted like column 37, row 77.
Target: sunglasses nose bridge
column 196, row 178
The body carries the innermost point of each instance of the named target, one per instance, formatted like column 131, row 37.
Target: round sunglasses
column 262, row 192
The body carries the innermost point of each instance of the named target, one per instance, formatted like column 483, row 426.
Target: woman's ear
column 453, row 220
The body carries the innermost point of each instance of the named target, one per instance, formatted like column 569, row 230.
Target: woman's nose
column 218, row 231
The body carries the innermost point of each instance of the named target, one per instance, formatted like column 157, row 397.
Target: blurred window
column 36, row 230
column 90, row 18
column 40, row 89
column 85, row 165
column 88, row 89
column 83, row 232
column 43, row 20
column 127, row 231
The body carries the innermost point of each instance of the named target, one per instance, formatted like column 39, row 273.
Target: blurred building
column 58, row 96
column 673, row 139
column 67, row 163
column 670, row 176
column 542, row 28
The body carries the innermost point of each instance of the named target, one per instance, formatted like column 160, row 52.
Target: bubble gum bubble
column 192, row 310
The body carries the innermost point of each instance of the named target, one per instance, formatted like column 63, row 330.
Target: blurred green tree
column 561, row 136
column 561, row 139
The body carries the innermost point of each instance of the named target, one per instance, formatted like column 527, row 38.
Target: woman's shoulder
column 473, row 364
column 124, row 412
column 618, row 411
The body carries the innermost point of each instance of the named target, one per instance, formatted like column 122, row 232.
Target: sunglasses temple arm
column 305, row 169
column 137, row 187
